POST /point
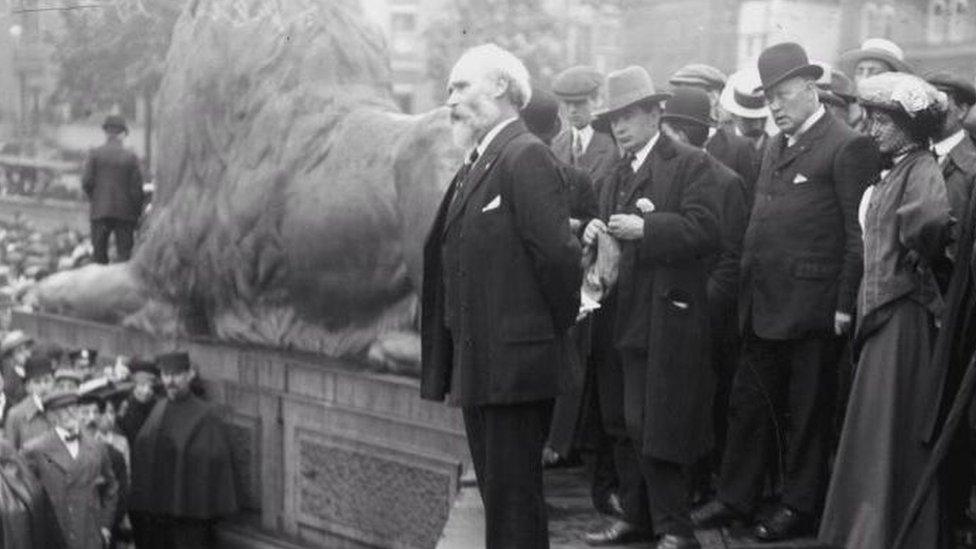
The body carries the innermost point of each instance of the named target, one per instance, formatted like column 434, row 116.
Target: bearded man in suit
column 500, row 289
column 801, row 266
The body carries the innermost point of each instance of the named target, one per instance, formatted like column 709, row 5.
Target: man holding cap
column 801, row 266
column 662, row 207
column 76, row 473
column 723, row 144
column 112, row 180
column 578, row 91
column 26, row 419
column 182, row 472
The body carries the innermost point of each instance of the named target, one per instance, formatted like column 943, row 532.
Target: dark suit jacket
column 723, row 275
column 598, row 159
column 959, row 172
column 113, row 183
column 517, row 279
column 802, row 254
column 661, row 297
column 738, row 154
column 582, row 199
column 83, row 490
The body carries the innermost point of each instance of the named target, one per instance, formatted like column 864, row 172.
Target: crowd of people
column 125, row 454
column 746, row 300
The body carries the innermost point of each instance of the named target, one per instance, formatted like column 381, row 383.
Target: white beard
column 467, row 132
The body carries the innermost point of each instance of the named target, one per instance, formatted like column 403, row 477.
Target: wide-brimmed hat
column 961, row 87
column 69, row 373
column 689, row 104
column 700, row 75
column 783, row 61
column 142, row 365
column 739, row 97
column 577, row 82
column 877, row 48
column 627, row 87
column 174, row 362
column 60, row 399
column 900, row 92
column 12, row 340
column 114, row 121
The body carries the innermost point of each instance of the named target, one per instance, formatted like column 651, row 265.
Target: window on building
column 584, row 44
column 960, row 21
column 937, row 21
column 869, row 14
column 886, row 22
column 403, row 22
column 403, row 31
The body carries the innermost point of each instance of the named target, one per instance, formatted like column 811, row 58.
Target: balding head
column 487, row 85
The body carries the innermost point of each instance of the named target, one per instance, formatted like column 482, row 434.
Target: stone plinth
column 326, row 455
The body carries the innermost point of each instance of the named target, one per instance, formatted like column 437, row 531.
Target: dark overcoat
column 802, row 254
column 83, row 490
column 24, row 422
column 518, row 278
column 738, row 154
column 599, row 157
column 112, row 180
column 723, row 275
column 661, row 297
column 959, row 172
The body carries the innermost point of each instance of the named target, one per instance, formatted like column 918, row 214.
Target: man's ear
column 498, row 86
column 193, row 373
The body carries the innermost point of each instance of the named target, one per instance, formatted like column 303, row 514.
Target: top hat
column 173, row 362
column 783, row 61
column 577, row 82
column 13, row 340
column 739, row 96
column 627, row 87
column 541, row 115
column 38, row 366
column 689, row 105
column 961, row 87
column 114, row 121
column 700, row 75
column 880, row 49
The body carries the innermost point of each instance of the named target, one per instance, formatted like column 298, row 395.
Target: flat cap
column 173, row 362
column 698, row 74
column 60, row 399
column 960, row 87
column 579, row 82
column 143, row 365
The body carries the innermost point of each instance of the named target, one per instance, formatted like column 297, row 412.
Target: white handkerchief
column 495, row 202
column 800, row 178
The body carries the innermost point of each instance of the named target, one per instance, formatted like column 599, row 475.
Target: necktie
column 71, row 437
column 463, row 174
column 577, row 148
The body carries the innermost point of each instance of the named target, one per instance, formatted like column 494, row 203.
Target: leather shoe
column 618, row 533
column 677, row 542
column 611, row 506
column 784, row 523
column 715, row 514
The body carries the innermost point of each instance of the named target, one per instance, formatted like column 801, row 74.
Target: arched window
column 937, row 21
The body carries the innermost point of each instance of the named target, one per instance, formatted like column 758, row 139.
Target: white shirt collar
column 38, row 402
column 72, row 446
column 807, row 124
column 585, row 135
column 641, row 154
column 944, row 147
column 486, row 140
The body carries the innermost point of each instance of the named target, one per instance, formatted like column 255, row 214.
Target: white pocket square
column 800, row 178
column 495, row 202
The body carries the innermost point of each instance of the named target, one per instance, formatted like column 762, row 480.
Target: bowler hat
column 689, row 105
column 699, row 74
column 143, row 365
column 783, row 61
column 880, row 49
column 38, row 366
column 114, row 121
column 577, row 82
column 627, row 87
column 541, row 115
column 60, row 399
column 960, row 87
column 739, row 97
column 173, row 362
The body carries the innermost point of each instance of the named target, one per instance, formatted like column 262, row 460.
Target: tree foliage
column 112, row 55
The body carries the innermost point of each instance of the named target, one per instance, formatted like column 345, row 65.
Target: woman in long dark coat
column 905, row 219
